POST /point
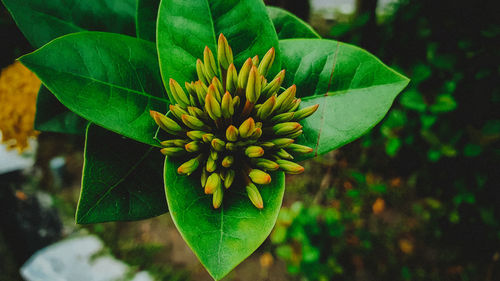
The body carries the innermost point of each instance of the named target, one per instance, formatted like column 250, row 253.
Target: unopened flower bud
column 286, row 128
column 211, row 166
column 267, row 62
column 208, row 137
column 254, row 151
column 217, row 197
column 177, row 110
column 203, row 177
column 255, row 60
column 200, row 71
column 190, row 166
column 230, row 146
column 228, row 161
column 290, row 167
column 295, row 104
column 195, row 135
column 282, row 117
column 196, row 112
column 265, row 164
column 226, row 106
column 218, row 89
column 301, row 149
column 244, row 72
column 284, row 154
column 213, row 182
column 294, row 135
column 218, row 144
column 246, row 128
column 179, row 95
column 224, row 52
column 190, row 88
column 236, row 101
column 167, row 124
column 254, row 196
column 214, row 154
column 209, row 62
column 267, row 108
column 173, row 151
column 282, row 142
column 232, row 133
column 259, row 176
column 229, row 179
column 285, row 98
column 256, row 134
column 273, row 86
column 193, row 146
column 211, row 105
column 175, row 142
column 305, row 112
column 201, row 92
column 267, row 144
column 232, row 79
column 194, row 123
column 253, row 85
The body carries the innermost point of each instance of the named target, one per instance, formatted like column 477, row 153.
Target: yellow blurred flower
column 406, row 246
column 18, row 91
column 378, row 206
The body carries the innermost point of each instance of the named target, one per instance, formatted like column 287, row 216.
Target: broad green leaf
column 122, row 179
column 288, row 25
column 145, row 22
column 41, row 20
column 221, row 238
column 361, row 90
column 110, row 79
column 52, row 116
column 186, row 27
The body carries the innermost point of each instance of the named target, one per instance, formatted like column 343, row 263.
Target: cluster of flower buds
column 234, row 126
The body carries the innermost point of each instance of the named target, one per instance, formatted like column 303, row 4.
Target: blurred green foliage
column 417, row 198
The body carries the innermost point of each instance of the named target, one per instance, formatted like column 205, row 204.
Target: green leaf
column 288, row 25
column 110, row 79
column 224, row 237
column 145, row 22
column 41, row 20
column 444, row 103
column 122, row 179
column 53, row 116
column 186, row 27
column 361, row 90
column 413, row 99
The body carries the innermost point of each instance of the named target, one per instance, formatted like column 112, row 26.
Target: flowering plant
column 118, row 82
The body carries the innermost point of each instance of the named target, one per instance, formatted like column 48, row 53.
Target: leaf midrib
column 339, row 92
column 100, row 81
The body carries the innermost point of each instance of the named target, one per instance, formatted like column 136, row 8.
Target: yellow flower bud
column 254, row 195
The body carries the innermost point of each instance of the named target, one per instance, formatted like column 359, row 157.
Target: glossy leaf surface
column 122, row 179
column 109, row 79
column 52, row 116
column 186, row 27
column 224, row 237
column 147, row 11
column 288, row 25
column 361, row 90
column 42, row 21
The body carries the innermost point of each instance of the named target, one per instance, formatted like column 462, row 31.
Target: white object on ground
column 78, row 259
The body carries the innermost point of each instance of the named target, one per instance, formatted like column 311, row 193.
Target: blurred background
column 417, row 198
